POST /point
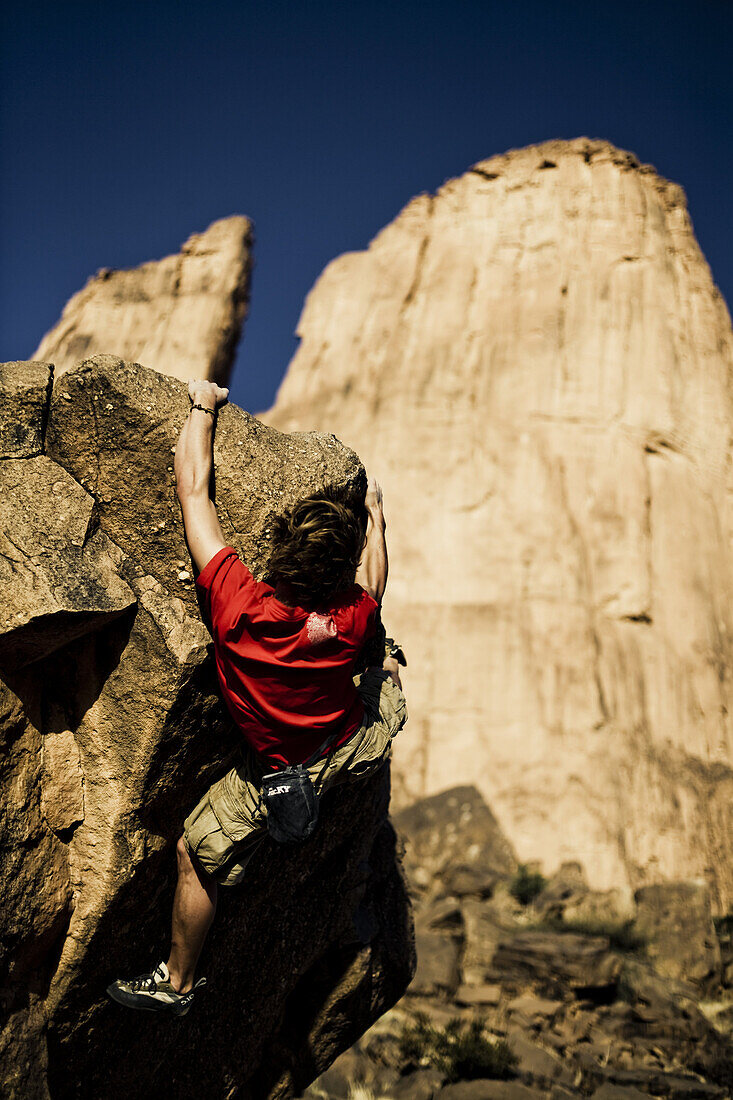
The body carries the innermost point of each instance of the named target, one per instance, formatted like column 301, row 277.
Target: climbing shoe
column 153, row 992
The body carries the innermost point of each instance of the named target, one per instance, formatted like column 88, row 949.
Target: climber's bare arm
column 372, row 571
column 193, row 466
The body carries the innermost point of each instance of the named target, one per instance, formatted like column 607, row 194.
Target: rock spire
column 181, row 315
column 536, row 364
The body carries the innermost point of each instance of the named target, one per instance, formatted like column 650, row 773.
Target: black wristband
column 204, row 409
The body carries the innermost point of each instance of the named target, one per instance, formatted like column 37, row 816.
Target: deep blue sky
column 125, row 127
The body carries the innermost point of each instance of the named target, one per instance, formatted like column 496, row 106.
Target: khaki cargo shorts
column 228, row 824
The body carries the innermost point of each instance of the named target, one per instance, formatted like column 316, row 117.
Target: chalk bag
column 292, row 804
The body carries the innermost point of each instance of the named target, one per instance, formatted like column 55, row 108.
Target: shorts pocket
column 235, row 802
column 204, row 837
column 375, row 744
column 392, row 707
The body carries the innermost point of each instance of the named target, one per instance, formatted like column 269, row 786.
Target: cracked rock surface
column 113, row 728
column 56, row 574
column 536, row 365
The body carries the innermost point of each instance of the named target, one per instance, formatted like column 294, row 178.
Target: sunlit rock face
column 536, row 363
column 181, row 315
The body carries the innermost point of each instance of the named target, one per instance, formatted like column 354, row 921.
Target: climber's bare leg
column 391, row 665
column 194, row 906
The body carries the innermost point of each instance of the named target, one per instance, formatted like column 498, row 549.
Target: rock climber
column 286, row 650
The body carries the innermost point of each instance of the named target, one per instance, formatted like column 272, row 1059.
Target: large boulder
column 114, row 427
column 181, row 315
column 453, row 842
column 676, row 923
column 114, row 727
column 536, row 363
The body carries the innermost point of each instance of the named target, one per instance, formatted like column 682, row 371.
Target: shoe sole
column 145, row 1004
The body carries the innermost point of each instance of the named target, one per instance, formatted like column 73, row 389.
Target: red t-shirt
column 285, row 672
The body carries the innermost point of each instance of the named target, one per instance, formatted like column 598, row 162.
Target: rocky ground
column 531, row 987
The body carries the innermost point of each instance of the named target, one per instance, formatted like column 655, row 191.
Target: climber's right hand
column 208, row 394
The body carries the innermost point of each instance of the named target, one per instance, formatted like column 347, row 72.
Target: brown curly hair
column 317, row 547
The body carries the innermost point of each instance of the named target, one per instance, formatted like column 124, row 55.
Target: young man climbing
column 286, row 652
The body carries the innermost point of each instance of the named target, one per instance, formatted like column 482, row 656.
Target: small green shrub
column 526, row 884
column 461, row 1051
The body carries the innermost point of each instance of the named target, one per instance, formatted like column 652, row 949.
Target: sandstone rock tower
column 181, row 315
column 536, row 364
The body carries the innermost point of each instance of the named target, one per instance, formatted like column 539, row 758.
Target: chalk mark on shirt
column 320, row 628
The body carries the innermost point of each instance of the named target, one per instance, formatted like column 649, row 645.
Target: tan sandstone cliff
column 536, row 364
column 112, row 729
column 181, row 315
